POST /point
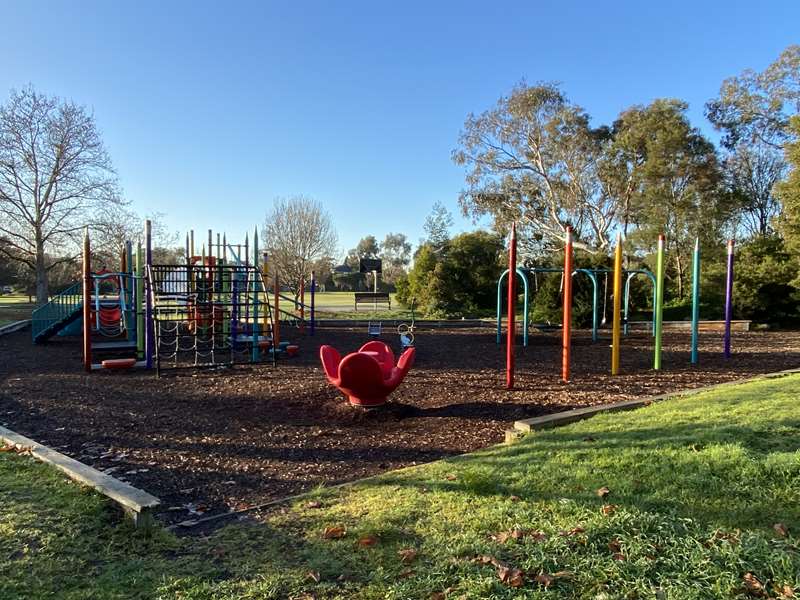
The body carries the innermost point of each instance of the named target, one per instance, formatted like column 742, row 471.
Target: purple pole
column 729, row 300
column 149, row 331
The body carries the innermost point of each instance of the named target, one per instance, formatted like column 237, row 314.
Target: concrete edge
column 136, row 503
column 15, row 326
column 579, row 414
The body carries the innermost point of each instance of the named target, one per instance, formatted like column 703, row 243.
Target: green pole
column 659, row 301
column 695, row 300
column 139, row 304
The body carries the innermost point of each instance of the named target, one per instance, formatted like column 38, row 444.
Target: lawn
column 692, row 498
column 14, row 308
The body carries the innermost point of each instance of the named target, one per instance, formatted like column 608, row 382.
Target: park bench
column 372, row 298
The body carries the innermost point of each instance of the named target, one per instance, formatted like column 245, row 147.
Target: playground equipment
column 214, row 309
column 406, row 331
column 525, row 273
column 368, row 376
column 619, row 326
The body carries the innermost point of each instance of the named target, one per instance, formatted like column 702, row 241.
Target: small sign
column 368, row 265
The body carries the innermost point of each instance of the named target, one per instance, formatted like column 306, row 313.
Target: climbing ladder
column 63, row 309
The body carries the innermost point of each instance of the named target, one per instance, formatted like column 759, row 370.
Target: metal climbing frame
column 591, row 273
column 209, row 314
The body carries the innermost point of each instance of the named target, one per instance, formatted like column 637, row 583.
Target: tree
column 457, row 280
column 789, row 193
column 752, row 170
column 298, row 232
column 755, row 107
column 534, row 159
column 55, row 174
column 674, row 178
column 437, row 225
column 396, row 256
column 119, row 224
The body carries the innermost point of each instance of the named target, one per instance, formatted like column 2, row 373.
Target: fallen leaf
column 618, row 556
column 406, row 573
column 614, row 545
column 314, row 504
column 544, row 579
column 368, row 541
column 313, row 576
column 571, row 532
column 438, row 596
column 781, row 529
column 537, row 536
column 451, row 477
column 609, row 509
column 407, row 555
column 753, row 586
column 787, row 591
column 510, row 576
column 603, row 492
column 514, row 498
column 334, row 532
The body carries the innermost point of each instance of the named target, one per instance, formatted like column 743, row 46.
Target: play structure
column 368, row 376
column 619, row 314
column 219, row 307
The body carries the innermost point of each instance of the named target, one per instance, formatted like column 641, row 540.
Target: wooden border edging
column 579, row 414
column 15, row 326
column 136, row 503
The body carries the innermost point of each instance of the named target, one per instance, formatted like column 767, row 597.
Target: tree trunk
column 679, row 267
column 42, row 284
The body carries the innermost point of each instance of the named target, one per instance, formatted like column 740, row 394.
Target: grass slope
column 695, row 488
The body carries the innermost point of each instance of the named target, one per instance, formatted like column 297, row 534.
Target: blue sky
column 210, row 110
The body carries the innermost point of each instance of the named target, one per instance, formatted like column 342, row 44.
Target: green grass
column 14, row 308
column 696, row 485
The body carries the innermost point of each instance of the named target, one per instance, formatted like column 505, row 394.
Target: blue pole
column 695, row 300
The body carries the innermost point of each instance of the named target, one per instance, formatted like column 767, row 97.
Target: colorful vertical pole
column 728, row 301
column 254, row 291
column 313, row 292
column 276, row 336
column 139, row 302
column 616, row 327
column 512, row 297
column 567, row 318
column 302, row 304
column 695, row 300
column 87, row 302
column 265, row 327
column 149, row 331
column 659, row 305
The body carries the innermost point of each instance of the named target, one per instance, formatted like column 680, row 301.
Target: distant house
column 342, row 269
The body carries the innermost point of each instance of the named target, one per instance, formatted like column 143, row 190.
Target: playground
column 208, row 441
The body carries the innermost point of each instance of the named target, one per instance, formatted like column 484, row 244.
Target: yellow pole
column 617, row 322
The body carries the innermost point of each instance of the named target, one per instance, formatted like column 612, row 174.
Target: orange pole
column 87, row 301
column 512, row 297
column 276, row 335
column 566, row 326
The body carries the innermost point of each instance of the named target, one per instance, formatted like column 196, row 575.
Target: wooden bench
column 372, row 298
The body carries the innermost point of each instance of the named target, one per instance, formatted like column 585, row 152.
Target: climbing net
column 208, row 315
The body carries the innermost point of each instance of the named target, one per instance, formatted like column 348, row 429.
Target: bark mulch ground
column 211, row 441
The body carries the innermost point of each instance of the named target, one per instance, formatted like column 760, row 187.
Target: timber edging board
column 136, row 503
column 579, row 414
column 16, row 326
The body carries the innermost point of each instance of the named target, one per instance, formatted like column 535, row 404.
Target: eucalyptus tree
column 535, row 159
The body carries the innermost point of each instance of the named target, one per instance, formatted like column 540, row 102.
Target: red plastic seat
column 362, row 377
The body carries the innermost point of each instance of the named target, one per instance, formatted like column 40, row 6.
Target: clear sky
column 210, row 110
